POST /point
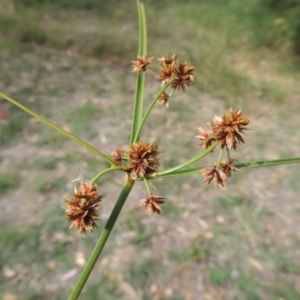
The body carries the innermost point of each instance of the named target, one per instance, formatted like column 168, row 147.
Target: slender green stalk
column 187, row 163
column 253, row 164
column 220, row 158
column 147, row 186
column 102, row 240
column 228, row 155
column 104, row 172
column 267, row 163
column 140, row 81
column 148, row 112
column 59, row 129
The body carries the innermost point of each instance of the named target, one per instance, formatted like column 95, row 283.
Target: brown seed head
column 167, row 73
column 141, row 64
column 168, row 60
column 180, row 73
column 164, row 99
column 183, row 76
column 206, row 138
column 213, row 173
column 228, row 167
column 227, row 129
column 83, row 208
column 117, row 156
column 142, row 159
column 152, row 203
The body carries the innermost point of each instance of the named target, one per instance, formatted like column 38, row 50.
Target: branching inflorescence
column 140, row 160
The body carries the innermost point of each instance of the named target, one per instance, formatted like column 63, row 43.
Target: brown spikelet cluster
column 181, row 74
column 142, row 159
column 152, row 203
column 141, row 64
column 164, row 99
column 82, row 209
column 219, row 173
column 225, row 130
column 117, row 156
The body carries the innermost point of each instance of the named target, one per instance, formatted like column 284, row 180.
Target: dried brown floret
column 167, row 73
column 83, row 208
column 168, row 60
column 227, row 129
column 152, row 203
column 117, row 156
column 228, row 167
column 141, row 64
column 142, row 159
column 164, row 99
column 206, row 138
column 183, row 76
column 215, row 174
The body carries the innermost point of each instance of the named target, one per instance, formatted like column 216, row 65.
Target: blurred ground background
column 71, row 62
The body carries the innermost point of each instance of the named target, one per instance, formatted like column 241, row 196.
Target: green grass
column 46, row 163
column 81, row 118
column 8, row 181
column 143, row 234
column 198, row 252
column 140, row 273
column 219, row 275
column 209, row 41
column 46, row 185
column 105, row 285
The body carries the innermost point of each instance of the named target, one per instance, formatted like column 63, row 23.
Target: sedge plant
column 140, row 161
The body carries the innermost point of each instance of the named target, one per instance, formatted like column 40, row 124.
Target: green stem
column 254, row 164
column 228, row 155
column 220, row 158
column 266, row 163
column 59, row 129
column 104, row 172
column 102, row 240
column 137, row 135
column 140, row 80
column 187, row 163
column 147, row 186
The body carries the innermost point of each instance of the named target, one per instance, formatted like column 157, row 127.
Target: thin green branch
column 100, row 174
column 267, row 163
column 140, row 80
column 102, row 240
column 254, row 164
column 147, row 186
column 187, row 163
column 148, row 112
column 59, row 129
column 220, row 158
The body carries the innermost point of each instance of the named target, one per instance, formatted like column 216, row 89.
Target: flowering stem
column 59, row 129
column 140, row 80
column 104, row 172
column 102, row 240
column 253, row 164
column 187, row 163
column 148, row 112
